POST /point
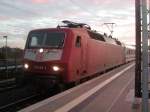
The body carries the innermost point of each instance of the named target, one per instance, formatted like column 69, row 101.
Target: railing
column 10, row 68
column 4, row 62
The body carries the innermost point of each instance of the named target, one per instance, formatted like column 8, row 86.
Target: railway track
column 7, row 84
column 21, row 103
column 2, row 89
column 15, row 99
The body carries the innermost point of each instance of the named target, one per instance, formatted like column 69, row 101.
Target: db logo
column 39, row 56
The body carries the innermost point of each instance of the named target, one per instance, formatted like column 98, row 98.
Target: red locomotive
column 70, row 53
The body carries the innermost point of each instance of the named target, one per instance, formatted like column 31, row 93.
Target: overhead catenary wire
column 92, row 13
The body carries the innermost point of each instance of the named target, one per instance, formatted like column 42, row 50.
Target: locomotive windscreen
column 46, row 39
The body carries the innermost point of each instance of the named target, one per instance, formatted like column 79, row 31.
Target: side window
column 78, row 41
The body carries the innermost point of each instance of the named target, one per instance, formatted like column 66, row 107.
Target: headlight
column 56, row 68
column 26, row 66
column 41, row 50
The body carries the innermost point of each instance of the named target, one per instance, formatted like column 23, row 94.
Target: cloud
column 2, row 18
column 18, row 17
column 42, row 1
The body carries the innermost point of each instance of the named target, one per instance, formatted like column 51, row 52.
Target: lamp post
column 145, row 71
column 6, row 55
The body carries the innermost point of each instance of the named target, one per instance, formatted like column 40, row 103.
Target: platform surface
column 110, row 92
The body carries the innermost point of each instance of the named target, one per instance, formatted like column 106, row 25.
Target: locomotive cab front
column 43, row 55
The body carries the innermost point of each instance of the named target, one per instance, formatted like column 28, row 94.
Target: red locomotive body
column 70, row 54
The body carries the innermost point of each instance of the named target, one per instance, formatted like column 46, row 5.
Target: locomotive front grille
column 39, row 67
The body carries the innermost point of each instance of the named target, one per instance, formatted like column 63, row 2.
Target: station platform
column 110, row 92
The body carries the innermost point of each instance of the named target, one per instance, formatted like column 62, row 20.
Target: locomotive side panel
column 130, row 54
column 96, row 56
column 116, row 55
column 92, row 56
column 102, row 56
column 77, row 60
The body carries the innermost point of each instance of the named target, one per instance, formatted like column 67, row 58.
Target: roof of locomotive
column 71, row 26
column 93, row 34
column 63, row 29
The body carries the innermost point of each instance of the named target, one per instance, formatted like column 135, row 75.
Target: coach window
column 78, row 41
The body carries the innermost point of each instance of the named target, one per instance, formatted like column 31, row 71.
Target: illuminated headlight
column 26, row 66
column 56, row 68
column 41, row 50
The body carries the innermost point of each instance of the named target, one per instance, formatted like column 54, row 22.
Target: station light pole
column 145, row 71
column 142, row 57
column 6, row 55
column 138, row 49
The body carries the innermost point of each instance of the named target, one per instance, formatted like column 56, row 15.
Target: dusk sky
column 18, row 17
